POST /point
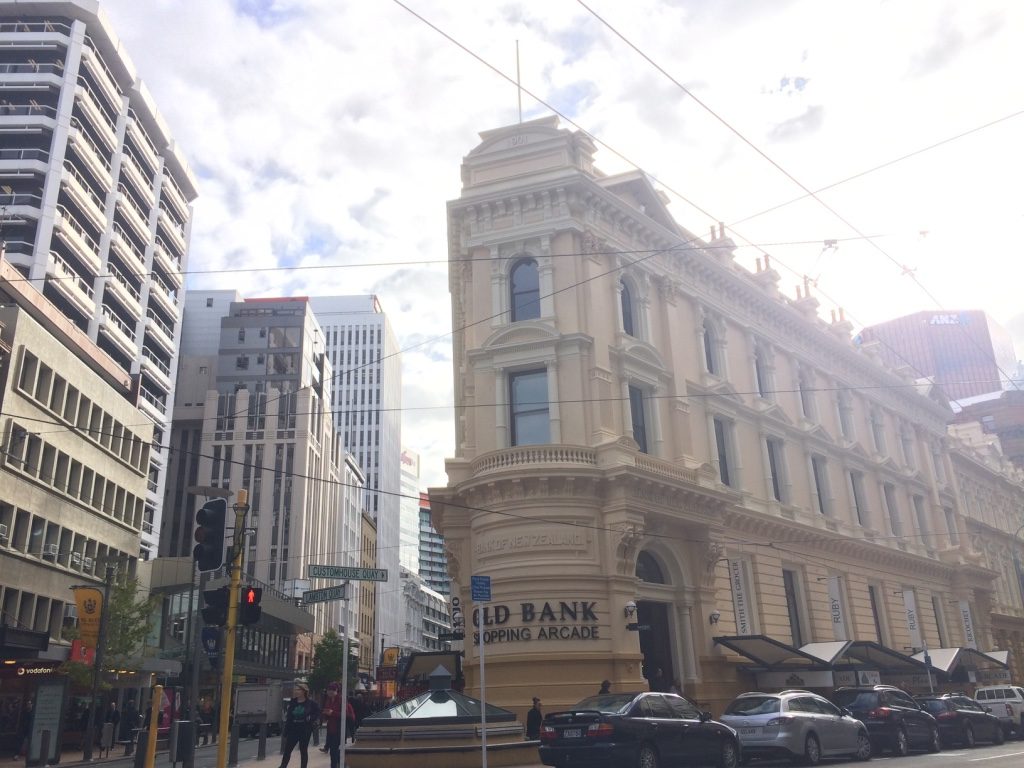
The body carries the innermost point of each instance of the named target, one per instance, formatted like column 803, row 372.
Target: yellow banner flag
column 90, row 608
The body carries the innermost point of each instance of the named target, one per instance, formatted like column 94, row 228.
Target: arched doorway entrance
column 654, row 618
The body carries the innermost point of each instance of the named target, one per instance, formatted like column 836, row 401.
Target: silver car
column 798, row 725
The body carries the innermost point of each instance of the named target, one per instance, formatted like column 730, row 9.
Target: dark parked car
column 894, row 720
column 962, row 720
column 636, row 730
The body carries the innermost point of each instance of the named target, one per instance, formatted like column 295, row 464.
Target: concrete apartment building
column 253, row 411
column 96, row 199
column 73, row 470
column 366, row 394
column 433, row 563
column 668, row 468
column 425, row 616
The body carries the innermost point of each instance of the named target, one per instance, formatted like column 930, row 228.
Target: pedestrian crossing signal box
column 249, row 610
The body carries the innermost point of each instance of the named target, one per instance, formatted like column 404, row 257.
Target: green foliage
column 328, row 662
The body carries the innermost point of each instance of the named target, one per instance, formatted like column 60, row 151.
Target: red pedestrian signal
column 249, row 610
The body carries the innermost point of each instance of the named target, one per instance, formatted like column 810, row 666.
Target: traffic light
column 215, row 614
column 209, row 550
column 249, row 610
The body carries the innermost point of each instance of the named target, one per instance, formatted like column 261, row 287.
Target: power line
column 808, row 192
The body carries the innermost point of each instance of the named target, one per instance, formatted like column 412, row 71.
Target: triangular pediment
column 635, row 188
column 521, row 333
column 821, row 433
column 774, row 412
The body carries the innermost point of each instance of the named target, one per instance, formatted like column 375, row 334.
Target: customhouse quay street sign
column 346, row 574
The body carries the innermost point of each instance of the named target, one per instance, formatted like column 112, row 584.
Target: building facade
column 1000, row 414
column 367, row 605
column 255, row 414
column 433, row 563
column 658, row 453
column 409, row 512
column 96, row 200
column 366, row 394
column 73, row 469
column 426, row 616
column 965, row 352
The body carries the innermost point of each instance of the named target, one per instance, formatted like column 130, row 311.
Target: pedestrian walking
column 301, row 714
column 331, row 714
column 606, row 686
column 24, row 729
column 533, row 720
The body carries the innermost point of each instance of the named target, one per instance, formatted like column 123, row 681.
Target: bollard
column 261, row 747
column 44, row 748
column 233, row 747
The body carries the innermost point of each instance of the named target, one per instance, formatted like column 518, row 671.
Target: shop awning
column 766, row 652
column 1003, row 657
column 946, row 660
column 863, row 653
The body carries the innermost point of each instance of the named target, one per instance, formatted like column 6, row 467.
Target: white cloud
column 330, row 132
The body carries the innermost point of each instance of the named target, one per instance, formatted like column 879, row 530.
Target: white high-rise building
column 409, row 512
column 95, row 200
column 366, row 392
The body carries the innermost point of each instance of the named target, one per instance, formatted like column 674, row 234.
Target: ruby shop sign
column 550, row 620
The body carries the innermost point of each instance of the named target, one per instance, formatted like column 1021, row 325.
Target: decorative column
column 502, row 439
column 553, row 410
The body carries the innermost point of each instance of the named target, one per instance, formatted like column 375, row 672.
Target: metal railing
column 31, row 68
column 136, row 126
column 71, row 276
column 77, row 124
column 70, row 168
column 155, row 401
column 24, row 154
column 77, row 228
column 34, row 26
column 116, row 274
column 160, row 323
column 159, row 363
column 27, row 109
column 20, row 198
column 121, row 324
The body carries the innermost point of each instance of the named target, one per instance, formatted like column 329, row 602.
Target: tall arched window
column 626, row 298
column 525, row 293
column 711, row 350
column 648, row 569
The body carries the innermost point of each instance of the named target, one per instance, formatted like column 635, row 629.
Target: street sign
column 348, row 574
column 480, row 586
column 323, row 595
column 449, row 636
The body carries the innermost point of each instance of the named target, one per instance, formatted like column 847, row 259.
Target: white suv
column 1007, row 703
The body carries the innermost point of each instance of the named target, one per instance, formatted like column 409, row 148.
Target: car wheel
column 730, row 755
column 812, row 750
column 648, row 757
column 900, row 746
column 935, row 743
column 1000, row 736
column 968, row 739
column 863, row 747
column 1020, row 728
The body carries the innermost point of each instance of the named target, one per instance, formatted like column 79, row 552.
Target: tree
column 129, row 623
column 328, row 658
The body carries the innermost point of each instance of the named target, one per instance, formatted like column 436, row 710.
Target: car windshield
column 933, row 705
column 607, row 702
column 753, row 705
column 855, row 699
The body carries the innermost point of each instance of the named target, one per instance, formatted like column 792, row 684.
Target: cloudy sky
column 327, row 137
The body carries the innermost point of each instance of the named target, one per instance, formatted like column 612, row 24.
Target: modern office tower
column 366, row 393
column 367, row 604
column 73, row 471
column 672, row 471
column 966, row 352
column 260, row 410
column 95, row 199
column 409, row 512
column 433, row 563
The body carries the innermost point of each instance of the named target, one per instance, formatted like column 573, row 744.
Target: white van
column 1006, row 703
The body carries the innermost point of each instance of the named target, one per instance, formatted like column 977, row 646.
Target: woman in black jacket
column 300, row 717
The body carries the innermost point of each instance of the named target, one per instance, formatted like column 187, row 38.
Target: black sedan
column 962, row 720
column 636, row 730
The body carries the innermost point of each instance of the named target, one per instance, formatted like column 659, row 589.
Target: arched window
column 525, row 292
column 648, row 570
column 626, row 298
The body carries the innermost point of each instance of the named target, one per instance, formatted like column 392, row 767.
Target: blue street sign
column 481, row 588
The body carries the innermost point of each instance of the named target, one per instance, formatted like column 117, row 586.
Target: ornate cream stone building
column 657, row 448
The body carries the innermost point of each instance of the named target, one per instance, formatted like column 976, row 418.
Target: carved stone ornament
column 628, row 547
column 592, row 245
column 713, row 552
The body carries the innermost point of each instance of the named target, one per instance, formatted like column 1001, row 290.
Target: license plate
column 572, row 733
column 749, row 731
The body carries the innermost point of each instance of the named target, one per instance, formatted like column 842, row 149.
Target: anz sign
column 947, row 319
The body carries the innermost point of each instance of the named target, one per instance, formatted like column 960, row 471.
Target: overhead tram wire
column 808, row 192
column 623, row 157
column 824, row 537
column 64, row 428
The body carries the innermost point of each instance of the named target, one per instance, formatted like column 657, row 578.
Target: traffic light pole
column 241, row 506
